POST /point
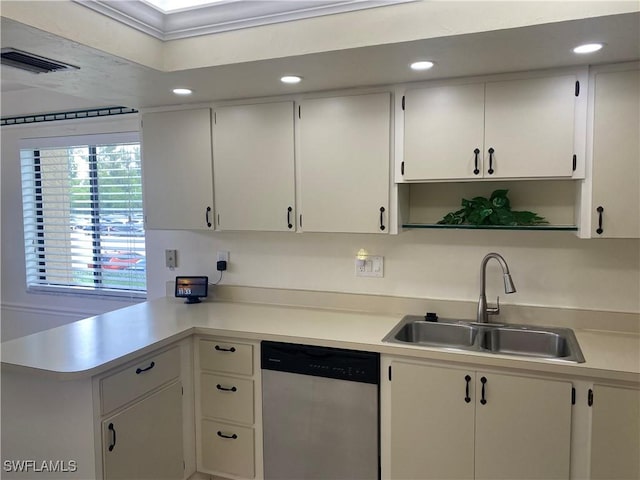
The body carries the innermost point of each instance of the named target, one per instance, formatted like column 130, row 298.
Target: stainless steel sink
column 433, row 333
column 558, row 344
column 535, row 343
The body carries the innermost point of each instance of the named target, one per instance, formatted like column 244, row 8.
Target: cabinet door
column 432, row 424
column 529, row 126
column 254, row 167
column 616, row 155
column 615, row 433
column 344, row 163
column 177, row 170
column 145, row 440
column 443, row 130
column 523, row 429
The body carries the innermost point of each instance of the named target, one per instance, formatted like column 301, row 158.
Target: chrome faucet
column 483, row 310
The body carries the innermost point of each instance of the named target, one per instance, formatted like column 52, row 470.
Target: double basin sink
column 522, row 340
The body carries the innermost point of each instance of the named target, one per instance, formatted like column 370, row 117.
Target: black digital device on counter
column 192, row 288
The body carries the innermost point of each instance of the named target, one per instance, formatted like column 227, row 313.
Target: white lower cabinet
column 615, row 432
column 145, row 440
column 227, row 449
column 133, row 422
column 453, row 423
column 228, row 408
column 142, row 417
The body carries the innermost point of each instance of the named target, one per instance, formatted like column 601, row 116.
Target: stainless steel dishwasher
column 320, row 413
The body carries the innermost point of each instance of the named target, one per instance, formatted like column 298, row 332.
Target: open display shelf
column 426, row 204
column 565, row 228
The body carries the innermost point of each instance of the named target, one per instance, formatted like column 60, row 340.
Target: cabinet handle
column 113, row 437
column 289, row 224
column 222, row 435
column 382, row 227
column 483, row 400
column 491, row 170
column 467, row 398
column 599, row 230
column 226, row 389
column 207, row 217
column 221, row 349
column 475, row 170
column 140, row 370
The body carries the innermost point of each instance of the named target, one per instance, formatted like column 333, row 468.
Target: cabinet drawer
column 227, row 449
column 227, row 397
column 142, row 377
column 227, row 357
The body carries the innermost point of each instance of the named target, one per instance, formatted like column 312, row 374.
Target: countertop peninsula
column 88, row 347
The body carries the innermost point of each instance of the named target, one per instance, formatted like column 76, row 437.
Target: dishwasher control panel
column 337, row 363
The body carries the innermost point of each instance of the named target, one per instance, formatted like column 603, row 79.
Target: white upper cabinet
column 344, row 163
column 444, row 132
column 177, row 170
column 523, row 128
column 529, row 127
column 253, row 157
column 613, row 209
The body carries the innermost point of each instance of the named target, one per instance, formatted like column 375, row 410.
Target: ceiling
column 105, row 79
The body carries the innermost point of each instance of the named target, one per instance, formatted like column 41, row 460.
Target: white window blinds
column 83, row 220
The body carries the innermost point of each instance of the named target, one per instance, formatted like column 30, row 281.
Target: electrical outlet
column 223, row 256
column 372, row 266
column 171, row 258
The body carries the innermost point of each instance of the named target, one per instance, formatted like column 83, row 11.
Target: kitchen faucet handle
column 494, row 310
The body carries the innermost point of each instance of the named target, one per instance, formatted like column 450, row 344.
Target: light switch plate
column 372, row 266
column 171, row 258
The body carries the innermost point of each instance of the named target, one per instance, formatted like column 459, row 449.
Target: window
column 83, row 221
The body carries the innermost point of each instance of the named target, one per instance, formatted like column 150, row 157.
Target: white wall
column 549, row 268
column 24, row 313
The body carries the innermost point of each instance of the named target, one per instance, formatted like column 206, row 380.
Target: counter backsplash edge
column 623, row 322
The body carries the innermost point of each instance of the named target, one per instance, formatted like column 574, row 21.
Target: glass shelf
column 561, row 228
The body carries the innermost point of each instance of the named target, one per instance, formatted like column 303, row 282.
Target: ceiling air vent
column 32, row 63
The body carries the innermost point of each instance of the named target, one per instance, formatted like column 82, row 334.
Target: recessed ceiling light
column 588, row 48
column 182, row 91
column 291, row 79
column 421, row 65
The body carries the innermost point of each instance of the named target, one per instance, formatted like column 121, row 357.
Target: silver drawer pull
column 226, row 389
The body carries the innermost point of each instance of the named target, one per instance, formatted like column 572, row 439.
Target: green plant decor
column 495, row 210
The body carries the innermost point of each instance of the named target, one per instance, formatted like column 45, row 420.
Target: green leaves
column 495, row 210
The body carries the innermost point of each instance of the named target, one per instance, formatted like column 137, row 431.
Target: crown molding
column 222, row 16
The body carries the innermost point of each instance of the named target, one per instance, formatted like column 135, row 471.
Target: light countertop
column 96, row 344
